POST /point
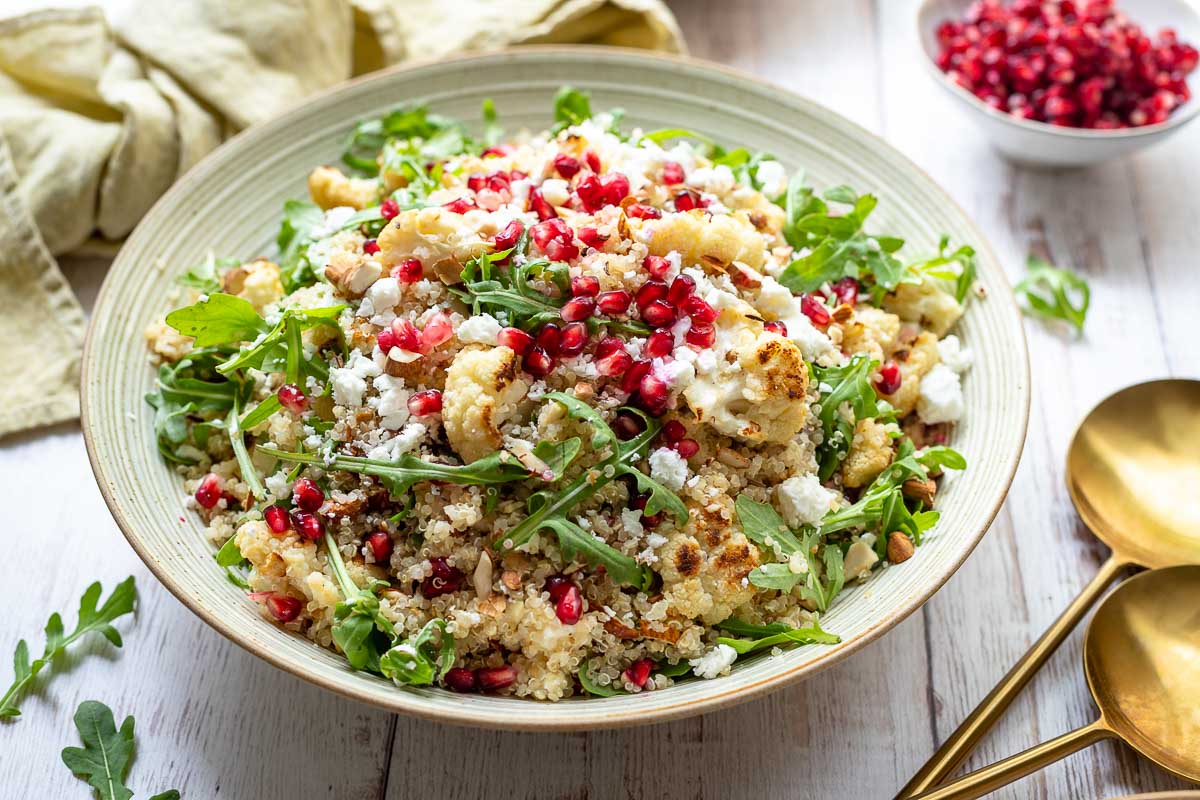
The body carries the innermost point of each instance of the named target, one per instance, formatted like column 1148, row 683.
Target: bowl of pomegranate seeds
column 1066, row 82
column 534, row 413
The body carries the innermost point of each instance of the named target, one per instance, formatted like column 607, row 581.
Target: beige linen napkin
column 98, row 119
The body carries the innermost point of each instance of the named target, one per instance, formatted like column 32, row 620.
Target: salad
column 580, row 412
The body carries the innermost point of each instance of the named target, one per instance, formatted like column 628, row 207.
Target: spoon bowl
column 1133, row 471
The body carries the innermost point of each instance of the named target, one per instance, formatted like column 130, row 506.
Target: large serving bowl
column 231, row 202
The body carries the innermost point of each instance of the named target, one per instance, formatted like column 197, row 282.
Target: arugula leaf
column 185, row 394
column 218, row 319
column 593, row 688
column 269, row 352
column 91, row 619
column 492, row 131
column 759, row 637
column 760, row 522
column 297, row 231
column 238, row 442
column 942, row 266
column 580, row 545
column 666, row 134
column 401, row 124
column 1049, row 292
column 571, row 107
column 357, row 617
column 107, row 751
column 557, row 456
column 851, row 384
column 418, row 660
column 205, row 277
column 488, row 286
column 230, row 557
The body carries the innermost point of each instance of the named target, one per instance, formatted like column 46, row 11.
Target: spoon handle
column 960, row 743
column 991, row 778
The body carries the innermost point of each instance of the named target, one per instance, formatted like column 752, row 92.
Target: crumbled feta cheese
column 803, row 500
column 349, row 382
column 772, row 177
column 479, row 329
column 392, row 406
column 715, row 662
column 631, row 518
column 954, row 355
column 776, row 299
column 668, row 468
column 399, row 444
column 941, row 397
column 555, row 191
column 279, row 485
column 383, row 296
column 675, row 373
column 717, row 180
column 333, row 221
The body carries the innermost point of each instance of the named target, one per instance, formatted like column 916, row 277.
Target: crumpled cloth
column 99, row 118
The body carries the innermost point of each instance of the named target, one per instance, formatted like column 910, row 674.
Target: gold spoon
column 1133, row 471
column 1142, row 660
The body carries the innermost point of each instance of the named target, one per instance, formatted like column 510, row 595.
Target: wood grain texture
column 214, row 721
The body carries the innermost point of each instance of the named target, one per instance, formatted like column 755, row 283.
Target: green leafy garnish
column 571, row 107
column 549, row 510
column 492, row 132
column 230, row 557
column 91, row 619
column 1050, row 292
column 107, row 751
column 762, row 525
column 205, row 276
column 419, row 659
column 759, row 637
column 850, row 384
column 218, row 319
column 188, row 395
column 426, row 133
column 593, row 688
column 508, row 291
column 957, row 267
column 360, row 629
column 297, row 231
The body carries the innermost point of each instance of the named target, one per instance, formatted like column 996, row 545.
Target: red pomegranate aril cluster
column 688, row 200
column 461, row 680
column 424, row 403
column 508, row 238
column 573, row 340
column 672, row 173
column 370, row 247
column 541, row 205
column 653, row 395
column 638, row 673
column 569, row 606
column 389, row 208
column 548, row 339
column 410, row 270
column 443, row 580
column 591, row 237
column 701, row 335
column 642, row 211
column 888, row 381
column 460, row 206
column 846, row 291
column 487, row 679
column 208, row 493
column 578, row 308
column 515, row 339
column 775, row 327
column 307, row 495
column 639, row 504
column 566, row 166
column 614, row 364
column 658, row 344
column 1076, row 63
column 555, row 238
column 282, row 607
column 538, row 363
column 631, row 381
column 277, row 519
column 627, row 425
column 815, row 310
column 597, row 191
column 674, row 431
column 380, row 545
column 585, row 286
column 292, row 398
column 649, row 292
column 308, row 525
column 659, row 313
column 614, row 303
column 698, row 309
column 438, row 330
column 657, row 266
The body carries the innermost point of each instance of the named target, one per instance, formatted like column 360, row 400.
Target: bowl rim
column 400, row 702
column 1187, row 111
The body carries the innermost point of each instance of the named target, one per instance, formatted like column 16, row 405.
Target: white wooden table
column 215, row 721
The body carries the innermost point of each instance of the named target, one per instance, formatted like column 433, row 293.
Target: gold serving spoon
column 1142, row 660
column 1133, row 471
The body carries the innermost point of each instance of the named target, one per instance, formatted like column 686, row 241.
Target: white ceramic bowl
column 232, row 200
column 1039, row 143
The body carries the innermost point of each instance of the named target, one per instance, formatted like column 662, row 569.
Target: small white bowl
column 1039, row 143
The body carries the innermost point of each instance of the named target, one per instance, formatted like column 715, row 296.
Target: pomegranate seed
column 592, row 159
column 653, row 395
column 659, row 314
column 515, row 339
column 674, row 431
column 578, row 308
column 460, row 206
column 422, row 404
column 277, row 518
column 585, row 286
column 292, row 398
column 381, row 546
column 701, row 335
column 613, row 303
column 497, row 150
column 614, row 364
column 566, row 166
column 775, row 327
column 569, row 607
column 627, row 425
column 681, row 288
column 815, row 310
column 590, row 192
column 494, row 678
column 638, row 672
column 641, row 211
column 438, row 330
column 461, row 680
column 698, row 309
column 649, row 292
column 672, row 173
column 410, row 270
column 648, row 520
column 443, row 580
column 538, row 363
column 548, row 339
column 574, row 338
column 687, row 447
column 549, row 230
column 656, row 266
column 591, row 237
column 632, row 378
column 609, row 345
column 658, row 344
column 888, row 381
column 283, row 608
column 208, row 493
column 476, row 181
column 307, row 495
column 508, row 238
column 616, row 188
column 405, row 336
column 308, row 525
column 389, row 208
column 846, row 291
column 540, row 205
column 556, row 586
column 386, row 340
column 370, row 247
column 687, row 201
column 558, row 250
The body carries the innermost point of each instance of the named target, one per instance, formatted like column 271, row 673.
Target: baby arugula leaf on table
column 358, row 621
column 107, row 751
column 91, row 619
column 753, row 638
column 1049, row 292
column 419, row 660
column 549, row 509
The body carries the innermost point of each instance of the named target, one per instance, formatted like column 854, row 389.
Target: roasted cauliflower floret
column 699, row 238
column 167, row 342
column 870, row 452
column 257, row 281
column 872, row 331
column 482, row 392
column 755, row 388
column 329, row 188
column 915, row 361
column 440, row 238
column 925, row 304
